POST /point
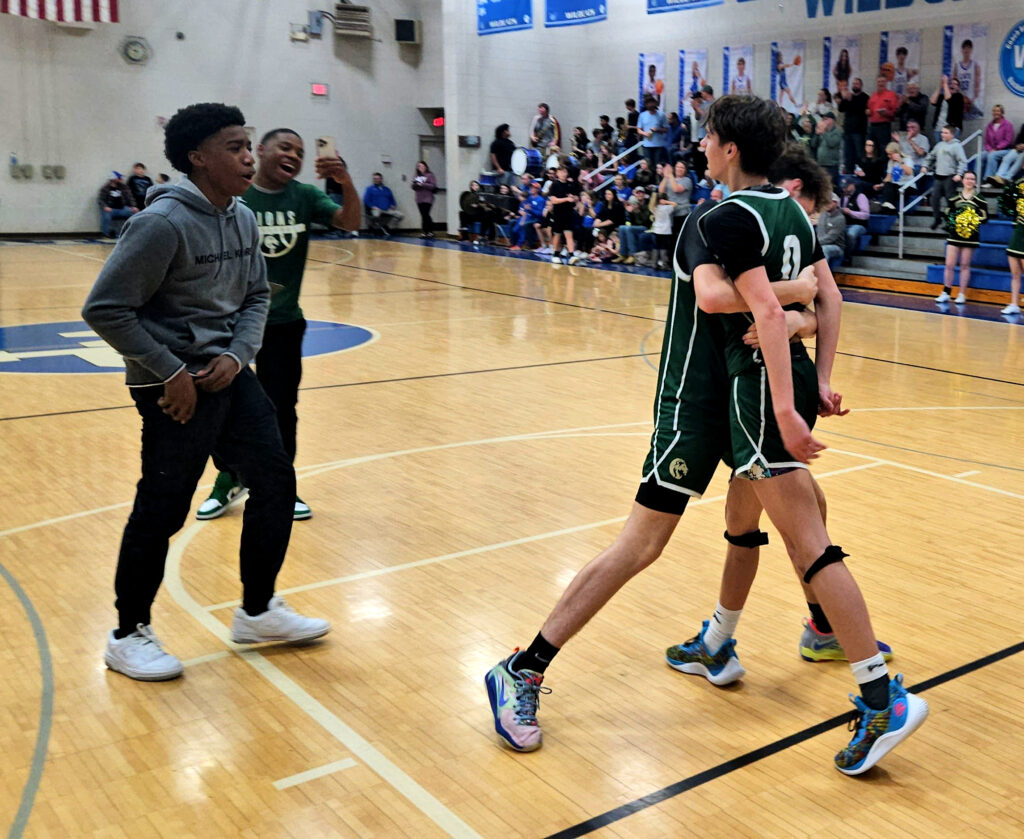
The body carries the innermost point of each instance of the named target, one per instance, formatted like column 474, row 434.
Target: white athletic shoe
column 556, row 260
column 140, row 656
column 961, row 299
column 1012, row 309
column 942, row 298
column 302, row 511
column 279, row 623
column 573, row 259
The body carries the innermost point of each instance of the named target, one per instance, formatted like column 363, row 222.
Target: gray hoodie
column 185, row 284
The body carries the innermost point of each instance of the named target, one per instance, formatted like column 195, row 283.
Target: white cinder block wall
column 584, row 71
column 68, row 97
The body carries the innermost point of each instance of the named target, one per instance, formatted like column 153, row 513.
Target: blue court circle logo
column 72, row 347
column 1011, row 60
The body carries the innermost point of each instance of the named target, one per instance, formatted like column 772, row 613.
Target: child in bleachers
column 606, row 247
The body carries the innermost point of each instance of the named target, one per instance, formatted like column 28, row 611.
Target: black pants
column 425, row 221
column 853, row 151
column 943, row 188
column 238, row 424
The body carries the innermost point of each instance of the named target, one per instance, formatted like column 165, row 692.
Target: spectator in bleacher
column 544, row 130
column 163, row 178
column 949, row 107
column 853, row 104
column 594, row 147
column 882, row 107
column 856, row 211
column 501, row 154
column 822, row 105
column 139, row 184
column 803, row 131
column 620, row 136
column 522, row 190
column 632, row 117
column 622, row 189
column 914, row 145
column 828, row 145
column 579, row 142
column 609, row 212
column 530, row 218
column 115, row 201
column 634, row 241
column 871, row 169
column 661, row 227
column 677, row 186
column 652, row 127
column 584, row 222
column 604, row 122
column 967, row 212
column 644, row 176
column 998, row 142
column 472, row 211
column 913, row 106
column 1013, row 162
column 898, row 171
column 831, row 230
column 947, row 163
column 380, row 207
column 605, row 247
column 674, row 134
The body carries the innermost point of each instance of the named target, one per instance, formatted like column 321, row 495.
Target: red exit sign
column 319, row 89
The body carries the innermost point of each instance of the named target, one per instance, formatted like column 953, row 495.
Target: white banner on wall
column 963, row 57
column 842, row 63
column 693, row 75
column 899, row 58
column 788, row 74
column 652, row 78
column 737, row 70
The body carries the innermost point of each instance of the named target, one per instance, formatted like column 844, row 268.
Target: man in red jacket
column 882, row 107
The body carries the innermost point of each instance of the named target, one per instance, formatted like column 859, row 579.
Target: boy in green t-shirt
column 284, row 210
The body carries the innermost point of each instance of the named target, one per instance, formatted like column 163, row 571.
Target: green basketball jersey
column 769, row 220
column 284, row 218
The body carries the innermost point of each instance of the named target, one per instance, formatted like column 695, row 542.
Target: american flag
column 80, row 11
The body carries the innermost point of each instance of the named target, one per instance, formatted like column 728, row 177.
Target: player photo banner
column 655, row 7
column 652, row 78
column 574, row 12
column 788, row 74
column 737, row 66
column 899, row 58
column 693, row 75
column 963, row 58
column 494, row 16
column 841, row 64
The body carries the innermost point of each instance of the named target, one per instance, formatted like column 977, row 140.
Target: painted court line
column 313, row 774
column 966, row 474
column 203, row 659
column 553, row 534
column 330, row 722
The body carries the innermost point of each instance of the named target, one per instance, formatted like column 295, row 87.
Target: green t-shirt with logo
column 284, row 218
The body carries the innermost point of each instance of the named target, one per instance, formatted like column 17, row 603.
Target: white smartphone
column 325, row 147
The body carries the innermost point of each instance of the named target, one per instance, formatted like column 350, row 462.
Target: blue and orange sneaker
column 722, row 668
column 824, row 646
column 878, row 732
column 514, row 696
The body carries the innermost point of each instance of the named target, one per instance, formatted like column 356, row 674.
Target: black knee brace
column 753, row 539
column 833, row 553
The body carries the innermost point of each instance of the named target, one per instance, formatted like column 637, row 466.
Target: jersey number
column 790, row 257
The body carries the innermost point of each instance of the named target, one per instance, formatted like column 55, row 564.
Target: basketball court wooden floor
column 461, row 468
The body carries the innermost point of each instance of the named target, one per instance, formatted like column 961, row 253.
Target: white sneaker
column 546, row 251
column 556, row 260
column 961, row 299
column 140, row 656
column 573, row 259
column 302, row 511
column 218, row 502
column 579, row 254
column 279, row 623
column 942, row 298
column 1012, row 309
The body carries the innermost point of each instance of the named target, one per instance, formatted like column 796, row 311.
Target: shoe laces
column 863, row 717
column 278, row 603
column 147, row 636
column 528, row 690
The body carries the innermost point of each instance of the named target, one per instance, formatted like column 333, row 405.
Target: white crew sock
column 721, row 627
column 869, row 669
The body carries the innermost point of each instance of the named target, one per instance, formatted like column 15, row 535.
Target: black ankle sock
column 120, row 634
column 535, row 657
column 876, row 693
column 947, row 288
column 818, row 616
column 255, row 608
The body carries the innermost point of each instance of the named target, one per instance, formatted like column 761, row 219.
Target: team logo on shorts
column 72, row 347
column 757, row 472
column 677, row 468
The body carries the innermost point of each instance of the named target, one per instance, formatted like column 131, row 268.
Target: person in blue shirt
column 531, row 215
column 653, row 128
column 381, row 209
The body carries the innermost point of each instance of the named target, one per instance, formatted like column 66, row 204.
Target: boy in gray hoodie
column 184, row 298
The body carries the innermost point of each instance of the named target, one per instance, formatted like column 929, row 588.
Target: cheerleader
column 964, row 218
column 1011, row 202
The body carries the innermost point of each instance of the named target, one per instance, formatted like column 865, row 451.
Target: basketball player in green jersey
column 761, row 236
column 691, row 435
column 284, row 209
